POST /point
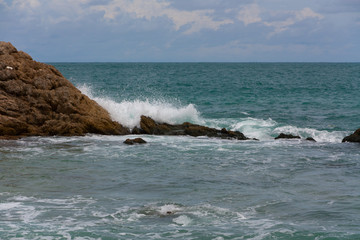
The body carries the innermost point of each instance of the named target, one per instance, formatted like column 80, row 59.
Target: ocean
column 182, row 187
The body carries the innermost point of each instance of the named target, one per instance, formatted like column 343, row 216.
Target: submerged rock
column 310, row 139
column 149, row 126
column 134, row 141
column 287, row 136
column 355, row 137
column 35, row 99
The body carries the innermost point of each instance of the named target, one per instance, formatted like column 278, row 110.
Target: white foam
column 255, row 128
column 319, row 136
column 29, row 214
column 268, row 129
column 14, row 210
column 128, row 112
column 133, row 217
column 169, row 208
column 10, row 205
column 182, row 220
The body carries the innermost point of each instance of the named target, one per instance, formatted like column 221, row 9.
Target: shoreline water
column 180, row 187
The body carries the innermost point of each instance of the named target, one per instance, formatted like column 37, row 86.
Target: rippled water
column 96, row 187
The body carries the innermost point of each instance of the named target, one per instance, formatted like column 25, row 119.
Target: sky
column 183, row 30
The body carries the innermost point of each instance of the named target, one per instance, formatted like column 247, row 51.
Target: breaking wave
column 128, row 114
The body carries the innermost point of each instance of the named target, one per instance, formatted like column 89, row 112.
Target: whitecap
column 169, row 209
column 128, row 112
column 182, row 220
column 255, row 128
column 318, row 135
column 9, row 205
column 268, row 129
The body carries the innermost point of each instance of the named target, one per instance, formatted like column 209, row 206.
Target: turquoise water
column 96, row 187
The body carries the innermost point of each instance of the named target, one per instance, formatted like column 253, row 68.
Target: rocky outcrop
column 287, row 136
column 149, row 126
column 355, row 137
column 35, row 99
column 134, row 141
column 290, row 136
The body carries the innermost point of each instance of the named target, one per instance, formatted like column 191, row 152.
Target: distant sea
column 96, row 187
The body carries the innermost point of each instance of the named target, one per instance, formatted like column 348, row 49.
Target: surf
column 128, row 113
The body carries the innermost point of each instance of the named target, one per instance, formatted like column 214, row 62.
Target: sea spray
column 128, row 112
column 255, row 128
column 268, row 129
column 318, row 135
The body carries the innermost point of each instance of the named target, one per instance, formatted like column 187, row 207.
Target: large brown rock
column 355, row 137
column 149, row 126
column 35, row 99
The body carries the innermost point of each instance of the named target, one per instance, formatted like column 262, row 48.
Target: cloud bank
column 178, row 30
column 149, row 9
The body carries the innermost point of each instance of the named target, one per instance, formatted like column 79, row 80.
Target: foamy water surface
column 96, row 187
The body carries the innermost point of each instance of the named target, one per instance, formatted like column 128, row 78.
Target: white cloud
column 249, row 14
column 296, row 16
column 280, row 26
column 149, row 9
column 252, row 13
column 198, row 20
column 49, row 12
column 307, row 13
column 187, row 21
column 26, row 4
column 139, row 8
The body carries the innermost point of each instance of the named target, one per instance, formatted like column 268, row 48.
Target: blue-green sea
column 180, row 187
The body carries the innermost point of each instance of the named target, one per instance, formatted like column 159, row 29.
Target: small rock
column 355, row 137
column 134, row 141
column 287, row 136
column 310, row 139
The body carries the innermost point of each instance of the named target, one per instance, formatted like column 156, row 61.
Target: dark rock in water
column 355, row 137
column 35, row 99
column 287, row 136
column 149, row 126
column 134, row 141
column 137, row 130
column 310, row 139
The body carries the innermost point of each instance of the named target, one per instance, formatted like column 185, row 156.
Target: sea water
column 96, row 187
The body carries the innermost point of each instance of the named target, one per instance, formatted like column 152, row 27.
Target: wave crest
column 318, row 135
column 128, row 113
